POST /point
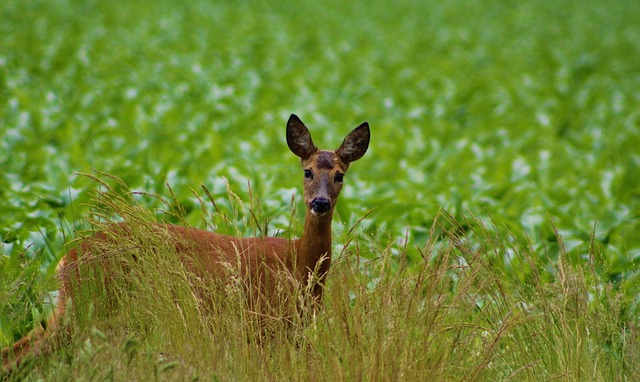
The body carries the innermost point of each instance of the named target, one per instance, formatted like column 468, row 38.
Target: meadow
column 489, row 233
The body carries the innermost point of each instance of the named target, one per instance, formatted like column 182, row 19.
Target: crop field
column 491, row 232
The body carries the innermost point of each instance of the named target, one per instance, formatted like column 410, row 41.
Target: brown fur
column 306, row 260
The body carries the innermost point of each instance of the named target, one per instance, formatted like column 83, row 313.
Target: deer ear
column 298, row 138
column 355, row 144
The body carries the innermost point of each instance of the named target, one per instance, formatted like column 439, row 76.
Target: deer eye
column 339, row 177
column 308, row 174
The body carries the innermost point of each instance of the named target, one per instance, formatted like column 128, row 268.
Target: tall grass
column 457, row 316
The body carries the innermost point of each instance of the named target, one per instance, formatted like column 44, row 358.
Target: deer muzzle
column 320, row 206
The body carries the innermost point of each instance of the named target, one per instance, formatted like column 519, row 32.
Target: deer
column 305, row 260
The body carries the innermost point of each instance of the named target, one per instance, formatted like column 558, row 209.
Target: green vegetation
column 496, row 213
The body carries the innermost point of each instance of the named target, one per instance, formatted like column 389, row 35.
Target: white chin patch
column 318, row 214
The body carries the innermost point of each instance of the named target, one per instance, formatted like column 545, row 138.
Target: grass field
column 496, row 212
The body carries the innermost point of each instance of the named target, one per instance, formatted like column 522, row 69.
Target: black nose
column 320, row 205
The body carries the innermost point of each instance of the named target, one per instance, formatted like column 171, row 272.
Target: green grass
column 519, row 120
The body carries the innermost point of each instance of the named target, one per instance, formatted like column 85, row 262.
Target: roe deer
column 306, row 260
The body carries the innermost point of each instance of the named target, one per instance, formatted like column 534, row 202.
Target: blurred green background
column 517, row 114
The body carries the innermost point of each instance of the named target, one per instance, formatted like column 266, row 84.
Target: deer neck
column 313, row 248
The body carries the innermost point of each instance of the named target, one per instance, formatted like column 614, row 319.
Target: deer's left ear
column 299, row 139
column 355, row 144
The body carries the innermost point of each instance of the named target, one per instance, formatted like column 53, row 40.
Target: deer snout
column 320, row 206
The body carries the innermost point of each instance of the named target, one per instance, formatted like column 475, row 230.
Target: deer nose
column 320, row 205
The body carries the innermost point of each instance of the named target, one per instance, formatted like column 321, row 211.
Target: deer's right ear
column 298, row 138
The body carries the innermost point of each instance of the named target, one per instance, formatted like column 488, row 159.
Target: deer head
column 324, row 169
